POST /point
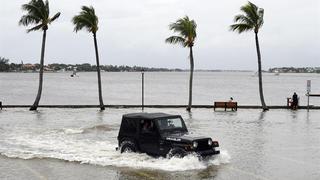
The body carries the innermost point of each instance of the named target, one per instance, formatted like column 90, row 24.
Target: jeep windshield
column 172, row 124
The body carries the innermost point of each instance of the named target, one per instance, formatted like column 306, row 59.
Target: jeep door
column 149, row 137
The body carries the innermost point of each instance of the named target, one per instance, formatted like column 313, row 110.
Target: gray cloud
column 133, row 33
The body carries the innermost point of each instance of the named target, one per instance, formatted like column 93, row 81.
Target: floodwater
column 160, row 88
column 80, row 144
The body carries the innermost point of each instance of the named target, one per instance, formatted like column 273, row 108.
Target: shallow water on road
column 278, row 144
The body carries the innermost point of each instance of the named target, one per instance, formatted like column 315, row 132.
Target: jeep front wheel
column 177, row 152
column 127, row 146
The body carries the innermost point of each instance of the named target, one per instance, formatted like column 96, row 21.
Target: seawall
column 155, row 106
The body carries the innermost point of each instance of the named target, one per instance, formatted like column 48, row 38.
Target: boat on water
column 255, row 74
column 74, row 73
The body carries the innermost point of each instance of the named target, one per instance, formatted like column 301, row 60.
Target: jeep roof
column 150, row 116
column 130, row 122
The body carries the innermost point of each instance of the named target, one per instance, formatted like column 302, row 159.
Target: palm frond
column 241, row 27
column 260, row 14
column 176, row 27
column 86, row 19
column 90, row 14
column 240, row 18
column 35, row 28
column 29, row 19
column 47, row 9
column 250, row 10
column 37, row 13
column 186, row 29
column 251, row 19
column 176, row 40
column 33, row 9
column 81, row 22
column 43, row 8
column 88, row 9
column 192, row 26
column 56, row 16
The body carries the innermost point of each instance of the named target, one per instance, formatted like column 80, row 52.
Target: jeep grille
column 202, row 145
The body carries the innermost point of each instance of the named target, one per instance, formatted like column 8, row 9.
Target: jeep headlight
column 209, row 142
column 195, row 144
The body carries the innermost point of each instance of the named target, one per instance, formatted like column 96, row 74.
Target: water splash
column 69, row 147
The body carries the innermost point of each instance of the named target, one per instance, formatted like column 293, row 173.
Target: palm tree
column 38, row 15
column 89, row 20
column 251, row 20
column 186, row 30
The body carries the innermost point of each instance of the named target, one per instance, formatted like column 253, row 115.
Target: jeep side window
column 170, row 123
column 175, row 123
column 146, row 126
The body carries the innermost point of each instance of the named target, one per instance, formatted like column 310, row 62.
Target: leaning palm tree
column 38, row 15
column 89, row 20
column 186, row 30
column 251, row 20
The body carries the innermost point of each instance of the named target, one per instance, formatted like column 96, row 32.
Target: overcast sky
column 132, row 32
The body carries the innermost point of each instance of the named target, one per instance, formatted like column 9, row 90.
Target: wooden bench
column 232, row 105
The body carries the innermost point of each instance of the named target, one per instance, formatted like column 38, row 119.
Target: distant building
column 29, row 67
column 46, row 68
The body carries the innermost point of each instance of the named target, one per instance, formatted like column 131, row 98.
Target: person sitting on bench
column 231, row 100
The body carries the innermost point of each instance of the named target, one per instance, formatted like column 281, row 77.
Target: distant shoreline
column 248, row 71
column 6, row 66
column 131, row 71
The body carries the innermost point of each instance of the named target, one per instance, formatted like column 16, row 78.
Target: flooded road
column 80, row 144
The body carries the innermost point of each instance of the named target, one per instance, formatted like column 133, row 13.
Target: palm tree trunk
column 264, row 107
column 98, row 72
column 36, row 102
column 190, row 80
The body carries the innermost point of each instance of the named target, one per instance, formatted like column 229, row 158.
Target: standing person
column 294, row 101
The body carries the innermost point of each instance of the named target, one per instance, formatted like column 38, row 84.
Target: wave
column 100, row 127
column 72, row 131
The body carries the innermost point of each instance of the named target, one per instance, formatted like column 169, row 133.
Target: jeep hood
column 183, row 137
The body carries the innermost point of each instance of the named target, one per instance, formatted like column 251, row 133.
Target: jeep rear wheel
column 127, row 146
column 177, row 152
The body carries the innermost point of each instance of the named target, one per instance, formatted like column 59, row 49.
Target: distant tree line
column 6, row 66
column 294, row 70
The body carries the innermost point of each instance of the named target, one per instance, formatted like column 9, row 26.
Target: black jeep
column 160, row 134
